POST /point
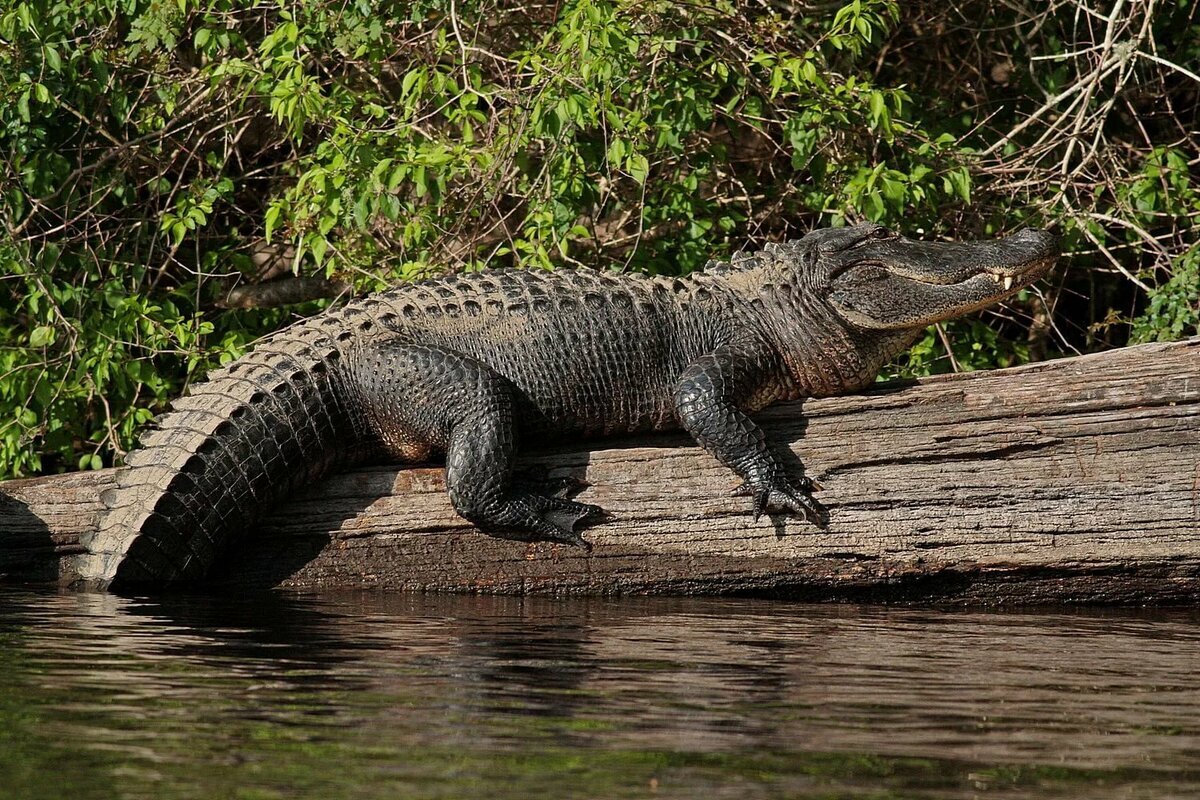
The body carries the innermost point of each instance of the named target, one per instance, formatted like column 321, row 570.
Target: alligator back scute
column 251, row 433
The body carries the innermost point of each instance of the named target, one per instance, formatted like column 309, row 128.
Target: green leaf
column 616, row 151
column 410, row 80
column 874, row 207
column 878, row 107
column 958, row 181
column 53, row 59
column 638, row 167
column 270, row 221
column 397, row 177
column 319, row 245
column 42, row 336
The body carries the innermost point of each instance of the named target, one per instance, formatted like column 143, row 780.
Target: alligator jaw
column 897, row 283
column 1025, row 275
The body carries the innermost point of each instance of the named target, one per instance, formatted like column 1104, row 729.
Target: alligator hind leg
column 422, row 400
column 479, row 480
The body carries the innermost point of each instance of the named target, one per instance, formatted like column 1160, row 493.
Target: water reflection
column 375, row 695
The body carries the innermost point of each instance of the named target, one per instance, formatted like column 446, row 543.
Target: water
column 401, row 696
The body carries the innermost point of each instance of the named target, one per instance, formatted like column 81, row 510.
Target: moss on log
column 1071, row 480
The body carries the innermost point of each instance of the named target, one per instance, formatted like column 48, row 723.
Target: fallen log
column 1070, row 480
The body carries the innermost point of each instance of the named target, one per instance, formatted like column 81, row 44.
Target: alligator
column 465, row 366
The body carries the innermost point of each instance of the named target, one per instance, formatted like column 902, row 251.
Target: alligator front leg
column 708, row 398
column 422, row 400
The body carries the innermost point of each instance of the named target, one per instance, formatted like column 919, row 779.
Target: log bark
column 1070, row 480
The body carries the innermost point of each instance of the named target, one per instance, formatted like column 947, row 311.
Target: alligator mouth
column 906, row 284
column 1020, row 276
column 1006, row 277
column 1001, row 265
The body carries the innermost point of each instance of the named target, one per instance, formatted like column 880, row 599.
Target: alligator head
column 878, row 280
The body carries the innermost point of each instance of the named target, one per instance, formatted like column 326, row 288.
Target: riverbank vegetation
column 175, row 175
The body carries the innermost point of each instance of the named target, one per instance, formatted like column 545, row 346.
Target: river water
column 406, row 696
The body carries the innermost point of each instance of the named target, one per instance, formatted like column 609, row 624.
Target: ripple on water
column 376, row 695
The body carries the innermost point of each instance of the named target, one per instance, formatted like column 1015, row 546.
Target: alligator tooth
column 1008, row 282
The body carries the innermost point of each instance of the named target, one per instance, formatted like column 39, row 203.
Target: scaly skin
column 465, row 366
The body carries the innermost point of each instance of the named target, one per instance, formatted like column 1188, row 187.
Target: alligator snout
column 1028, row 250
column 1025, row 248
column 903, row 283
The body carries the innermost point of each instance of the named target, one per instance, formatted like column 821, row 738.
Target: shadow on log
column 1075, row 480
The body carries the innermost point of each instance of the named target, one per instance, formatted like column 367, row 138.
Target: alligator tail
column 257, row 429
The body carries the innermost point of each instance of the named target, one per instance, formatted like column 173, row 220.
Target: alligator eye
column 881, row 233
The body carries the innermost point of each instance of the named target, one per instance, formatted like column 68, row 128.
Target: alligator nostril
column 1043, row 239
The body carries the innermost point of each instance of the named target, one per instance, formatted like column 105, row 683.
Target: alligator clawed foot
column 557, row 520
column 793, row 497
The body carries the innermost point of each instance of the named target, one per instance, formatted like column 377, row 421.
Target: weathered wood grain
column 1074, row 480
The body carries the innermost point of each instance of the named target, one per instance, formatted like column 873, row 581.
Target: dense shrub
column 158, row 154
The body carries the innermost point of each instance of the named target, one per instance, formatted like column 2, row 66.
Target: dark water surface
column 403, row 696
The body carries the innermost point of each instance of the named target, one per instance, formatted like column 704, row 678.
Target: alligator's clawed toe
column 566, row 487
column 537, row 480
column 807, row 485
column 561, row 535
column 800, row 503
column 792, row 498
column 559, row 518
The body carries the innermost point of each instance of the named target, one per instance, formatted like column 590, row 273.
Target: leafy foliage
column 158, row 153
